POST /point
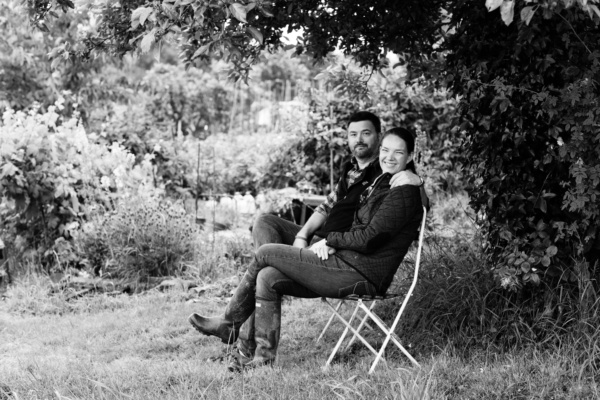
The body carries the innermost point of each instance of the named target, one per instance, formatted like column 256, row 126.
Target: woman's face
column 393, row 154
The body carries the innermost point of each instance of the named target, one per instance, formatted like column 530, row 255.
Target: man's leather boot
column 268, row 326
column 246, row 342
column 227, row 326
column 243, row 353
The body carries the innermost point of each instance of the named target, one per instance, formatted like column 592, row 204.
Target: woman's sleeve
column 397, row 209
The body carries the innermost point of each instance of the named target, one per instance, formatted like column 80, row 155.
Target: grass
column 141, row 347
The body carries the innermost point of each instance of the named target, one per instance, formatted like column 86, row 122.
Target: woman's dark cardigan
column 385, row 224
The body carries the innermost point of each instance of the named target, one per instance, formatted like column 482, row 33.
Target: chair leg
column 337, row 308
column 349, row 327
column 339, row 343
column 389, row 334
column 360, row 326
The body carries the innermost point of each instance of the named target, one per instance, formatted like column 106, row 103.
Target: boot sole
column 229, row 340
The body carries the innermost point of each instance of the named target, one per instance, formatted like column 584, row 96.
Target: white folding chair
column 370, row 315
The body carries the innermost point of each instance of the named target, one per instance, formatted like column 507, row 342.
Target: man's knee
column 265, row 284
column 263, row 223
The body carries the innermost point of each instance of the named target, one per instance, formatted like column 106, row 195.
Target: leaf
column 535, row 279
column 239, row 11
column 140, row 14
column 147, row 41
column 546, row 261
column 493, row 4
column 8, row 169
column 541, row 204
column 255, row 34
column 551, row 251
column 527, row 14
column 507, row 11
column 202, row 50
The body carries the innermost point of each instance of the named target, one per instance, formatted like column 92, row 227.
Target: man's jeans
column 285, row 270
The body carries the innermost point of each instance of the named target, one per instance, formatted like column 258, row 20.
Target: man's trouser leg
column 266, row 229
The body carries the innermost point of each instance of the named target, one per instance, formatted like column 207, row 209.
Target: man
column 334, row 215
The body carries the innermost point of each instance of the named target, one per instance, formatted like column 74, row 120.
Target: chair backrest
column 417, row 266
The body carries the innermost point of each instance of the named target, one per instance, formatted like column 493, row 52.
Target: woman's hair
column 409, row 139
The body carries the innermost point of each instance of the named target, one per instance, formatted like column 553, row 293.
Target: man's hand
column 300, row 243
column 321, row 249
column 405, row 178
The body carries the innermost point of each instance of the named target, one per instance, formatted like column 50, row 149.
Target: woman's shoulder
column 407, row 192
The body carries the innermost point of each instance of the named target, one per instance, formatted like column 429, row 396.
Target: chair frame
column 361, row 304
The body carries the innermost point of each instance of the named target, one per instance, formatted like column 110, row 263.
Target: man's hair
column 365, row 116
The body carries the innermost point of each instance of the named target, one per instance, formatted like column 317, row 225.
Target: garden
column 139, row 141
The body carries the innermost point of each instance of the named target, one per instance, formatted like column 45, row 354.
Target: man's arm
column 410, row 178
column 310, row 227
column 405, row 178
column 317, row 219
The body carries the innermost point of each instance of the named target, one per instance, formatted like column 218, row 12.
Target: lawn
column 141, row 347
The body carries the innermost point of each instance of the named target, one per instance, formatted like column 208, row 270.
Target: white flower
column 505, row 282
column 560, row 141
column 105, row 182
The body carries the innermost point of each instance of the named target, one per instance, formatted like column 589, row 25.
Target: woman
column 361, row 261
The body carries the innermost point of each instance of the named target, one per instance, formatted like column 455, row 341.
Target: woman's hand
column 321, row 249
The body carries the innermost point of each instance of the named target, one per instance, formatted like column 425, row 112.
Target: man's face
column 363, row 139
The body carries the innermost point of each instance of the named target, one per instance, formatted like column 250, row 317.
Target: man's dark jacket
column 341, row 215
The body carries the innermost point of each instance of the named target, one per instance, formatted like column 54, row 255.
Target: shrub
column 141, row 237
column 52, row 175
column 458, row 305
column 529, row 107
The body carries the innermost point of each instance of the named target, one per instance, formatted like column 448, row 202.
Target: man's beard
column 362, row 152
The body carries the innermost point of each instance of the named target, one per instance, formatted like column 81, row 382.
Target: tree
column 528, row 90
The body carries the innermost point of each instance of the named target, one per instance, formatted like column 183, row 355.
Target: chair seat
column 356, row 297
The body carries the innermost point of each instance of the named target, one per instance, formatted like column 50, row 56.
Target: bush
column 141, row 237
column 458, row 305
column 532, row 148
column 52, row 176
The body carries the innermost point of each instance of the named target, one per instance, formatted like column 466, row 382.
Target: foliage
column 531, row 120
column 238, row 32
column 458, row 305
column 397, row 99
column 527, row 93
column 30, row 73
column 141, row 237
column 225, row 164
column 191, row 102
column 54, row 176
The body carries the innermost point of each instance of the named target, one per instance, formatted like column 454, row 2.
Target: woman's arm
column 396, row 210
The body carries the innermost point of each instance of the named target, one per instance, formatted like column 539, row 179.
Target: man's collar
column 354, row 162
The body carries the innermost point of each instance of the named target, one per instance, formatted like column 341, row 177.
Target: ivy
column 531, row 118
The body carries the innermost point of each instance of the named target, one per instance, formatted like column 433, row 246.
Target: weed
column 140, row 238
